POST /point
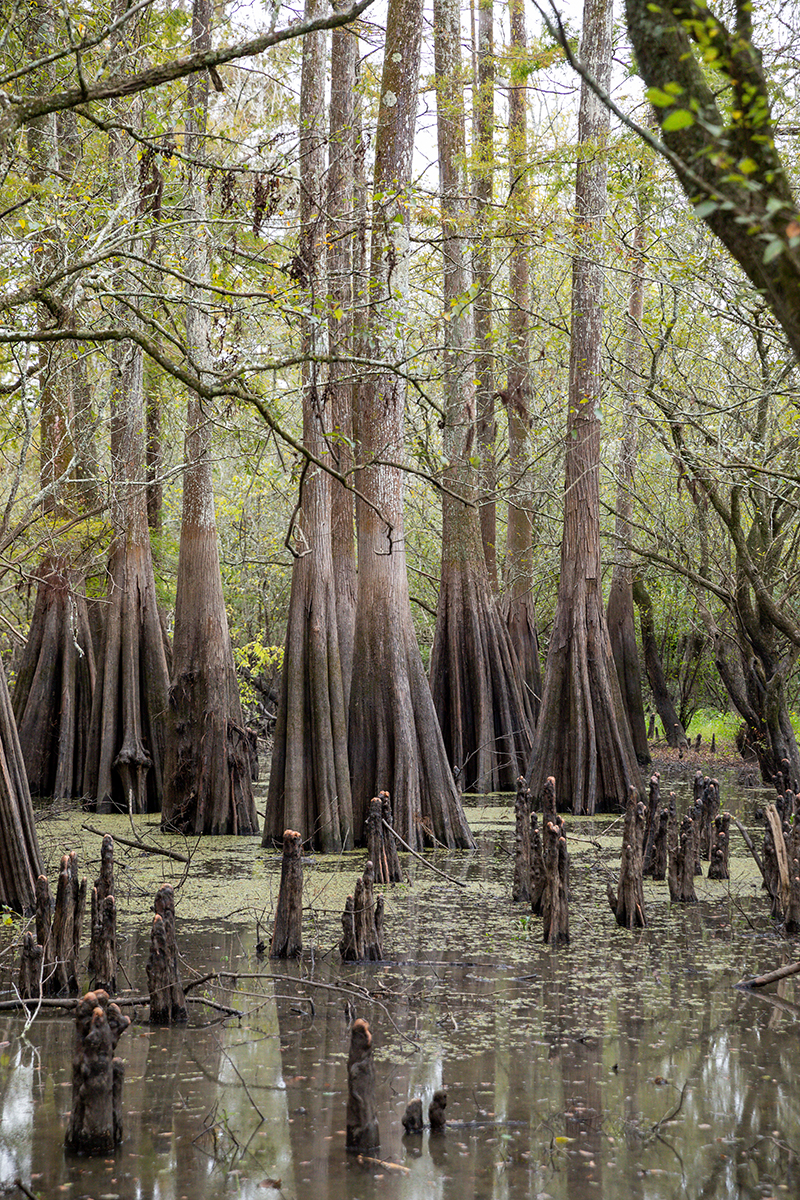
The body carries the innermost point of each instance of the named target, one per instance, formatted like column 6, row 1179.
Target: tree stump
column 538, row 874
column 555, row 909
column 792, row 917
column 95, row 1125
column 362, row 922
column 167, row 1001
column 30, row 969
column 102, row 963
column 390, row 843
column 287, row 934
column 720, row 847
column 363, row 1135
column 627, row 903
column 436, row 1114
column 521, row 887
column 673, row 844
column 660, row 853
column 63, row 941
column 776, row 863
column 412, row 1118
column 652, row 825
column 381, row 845
column 685, row 859
column 710, row 802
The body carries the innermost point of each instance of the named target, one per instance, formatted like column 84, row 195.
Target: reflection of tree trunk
column 394, row 737
column 309, row 787
column 673, row 730
column 621, row 627
column 583, row 736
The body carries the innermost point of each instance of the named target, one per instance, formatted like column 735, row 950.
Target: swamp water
column 624, row 1066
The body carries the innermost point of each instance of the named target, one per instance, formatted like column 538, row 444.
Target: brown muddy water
column 625, row 1066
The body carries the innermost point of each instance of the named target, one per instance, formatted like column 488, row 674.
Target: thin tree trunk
column 483, row 153
column 394, row 737
column 341, row 245
column 673, row 730
column 583, row 736
column 621, row 625
column 520, row 614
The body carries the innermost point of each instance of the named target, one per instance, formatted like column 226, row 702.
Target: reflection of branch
column 670, row 1116
column 240, row 1077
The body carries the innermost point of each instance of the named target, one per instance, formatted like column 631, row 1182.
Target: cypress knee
column 363, row 1134
column 287, row 937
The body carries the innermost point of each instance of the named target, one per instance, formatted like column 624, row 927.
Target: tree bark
column 673, row 730
column 394, row 737
column 519, row 606
column 95, row 1125
column 55, row 683
column 341, row 235
column 124, row 765
column 20, row 858
column 583, row 733
column 482, row 187
column 208, row 783
column 751, row 208
column 475, row 675
column 619, row 614
column 287, row 933
column 309, row 787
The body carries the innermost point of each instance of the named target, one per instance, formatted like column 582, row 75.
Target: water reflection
column 625, row 1065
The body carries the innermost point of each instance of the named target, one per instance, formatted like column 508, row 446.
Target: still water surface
column 625, row 1066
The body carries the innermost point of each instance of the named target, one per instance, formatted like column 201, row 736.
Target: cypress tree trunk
column 208, row 783
column 621, row 625
column 520, row 614
column 124, row 765
column 474, row 671
column 583, row 736
column 340, row 258
column 483, row 152
column 394, row 737
column 20, row 859
column 309, row 786
column 53, row 691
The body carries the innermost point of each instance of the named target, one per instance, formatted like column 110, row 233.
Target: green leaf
column 680, row 119
column 774, row 248
column 706, row 208
column 659, row 98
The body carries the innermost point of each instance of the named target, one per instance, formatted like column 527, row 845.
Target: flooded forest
column 399, row 531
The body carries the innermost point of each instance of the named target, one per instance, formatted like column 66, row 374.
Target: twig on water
column 422, row 859
column 140, row 845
